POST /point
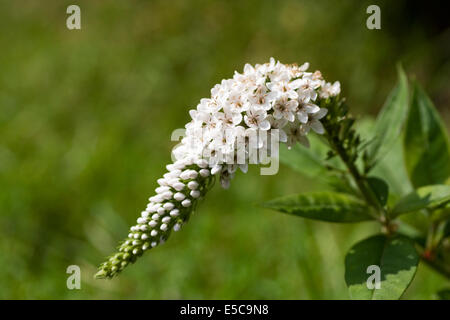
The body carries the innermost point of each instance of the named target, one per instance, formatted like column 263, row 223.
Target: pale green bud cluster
column 176, row 197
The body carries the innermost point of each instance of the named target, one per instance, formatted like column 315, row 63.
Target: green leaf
column 325, row 206
column 427, row 153
column 396, row 258
column 309, row 162
column 424, row 197
column 390, row 120
column 380, row 188
column 312, row 163
column 418, row 220
column 446, row 232
column 442, row 213
column 391, row 168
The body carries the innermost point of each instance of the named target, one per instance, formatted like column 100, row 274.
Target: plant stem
column 366, row 192
column 435, row 264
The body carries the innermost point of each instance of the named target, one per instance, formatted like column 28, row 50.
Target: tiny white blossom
column 165, row 219
column 285, row 108
column 186, row 203
column 174, row 213
column 204, row 173
column 179, row 196
column 257, row 118
column 314, row 122
column 304, row 109
column 168, row 206
column 195, row 193
column 296, row 134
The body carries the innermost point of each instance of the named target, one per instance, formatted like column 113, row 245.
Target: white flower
column 208, row 105
column 296, row 133
column 330, row 90
column 223, row 142
column 262, row 97
column 212, row 123
column 229, row 119
column 314, row 122
column 226, row 132
column 284, row 108
column 256, row 118
column 307, row 89
column 279, row 124
column 304, row 109
column 284, row 89
column 236, row 103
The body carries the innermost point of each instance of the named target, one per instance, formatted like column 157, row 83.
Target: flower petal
column 264, row 125
column 317, row 126
column 302, row 116
column 304, row 141
column 320, row 114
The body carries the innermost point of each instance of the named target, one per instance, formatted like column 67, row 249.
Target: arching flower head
column 226, row 133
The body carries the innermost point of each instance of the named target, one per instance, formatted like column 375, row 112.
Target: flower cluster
column 253, row 103
column 264, row 99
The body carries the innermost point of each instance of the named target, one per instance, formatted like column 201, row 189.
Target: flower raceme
column 266, row 100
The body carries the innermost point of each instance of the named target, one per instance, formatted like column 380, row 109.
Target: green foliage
column 379, row 188
column 325, row 206
column 446, row 232
column 396, row 258
column 426, row 145
column 391, row 167
column 390, row 120
column 309, row 162
column 423, row 162
column 429, row 197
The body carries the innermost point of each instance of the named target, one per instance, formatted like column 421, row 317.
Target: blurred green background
column 85, row 123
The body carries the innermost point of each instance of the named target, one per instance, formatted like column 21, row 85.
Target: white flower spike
column 262, row 99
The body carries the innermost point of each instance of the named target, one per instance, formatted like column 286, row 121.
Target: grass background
column 85, row 124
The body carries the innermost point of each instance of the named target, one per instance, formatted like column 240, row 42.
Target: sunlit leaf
column 311, row 161
column 390, row 120
column 325, row 206
column 391, row 167
column 424, row 197
column 396, row 259
column 307, row 161
column 427, row 154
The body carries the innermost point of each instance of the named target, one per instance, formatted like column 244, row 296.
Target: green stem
column 430, row 260
column 366, row 192
column 434, row 263
column 430, row 238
